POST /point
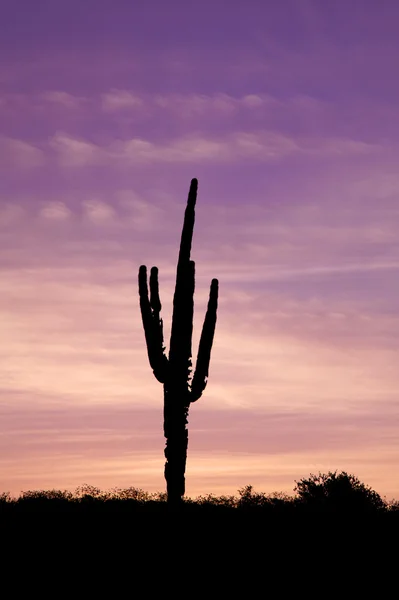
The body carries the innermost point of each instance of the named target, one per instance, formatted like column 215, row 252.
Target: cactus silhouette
column 180, row 390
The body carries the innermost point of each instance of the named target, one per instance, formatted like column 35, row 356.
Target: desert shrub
column 220, row 501
column 337, row 492
column 131, row 493
column 5, row 498
column 251, row 499
column 45, row 495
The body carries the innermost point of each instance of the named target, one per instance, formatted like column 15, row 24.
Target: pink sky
column 286, row 112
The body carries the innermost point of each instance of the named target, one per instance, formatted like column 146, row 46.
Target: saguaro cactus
column 180, row 390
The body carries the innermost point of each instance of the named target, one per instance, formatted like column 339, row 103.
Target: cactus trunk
column 175, row 371
column 176, row 434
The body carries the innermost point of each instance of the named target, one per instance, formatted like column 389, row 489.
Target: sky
column 287, row 113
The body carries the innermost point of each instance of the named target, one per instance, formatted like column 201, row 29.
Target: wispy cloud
column 185, row 105
column 194, row 105
column 116, row 100
column 217, row 104
column 258, row 147
column 62, row 99
column 10, row 214
column 55, row 211
column 16, row 153
column 184, row 108
column 98, row 212
column 73, row 152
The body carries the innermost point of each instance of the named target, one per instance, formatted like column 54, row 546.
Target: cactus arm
column 154, row 292
column 199, row 381
column 152, row 324
column 156, row 306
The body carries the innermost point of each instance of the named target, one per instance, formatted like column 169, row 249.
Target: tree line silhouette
column 326, row 493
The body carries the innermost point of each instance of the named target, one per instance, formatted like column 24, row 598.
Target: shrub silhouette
column 340, row 492
column 326, row 495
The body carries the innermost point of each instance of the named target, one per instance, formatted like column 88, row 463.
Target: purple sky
column 286, row 112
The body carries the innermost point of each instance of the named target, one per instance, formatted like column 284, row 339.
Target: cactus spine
column 174, row 372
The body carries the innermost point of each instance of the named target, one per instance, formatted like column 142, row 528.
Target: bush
column 340, row 492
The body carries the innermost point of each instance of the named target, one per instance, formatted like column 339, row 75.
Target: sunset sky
column 287, row 113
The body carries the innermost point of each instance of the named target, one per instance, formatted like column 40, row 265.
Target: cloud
column 55, row 211
column 73, row 152
column 17, row 153
column 98, row 211
column 253, row 101
column 181, row 106
column 122, row 210
column 344, row 147
column 189, row 149
column 62, row 99
column 202, row 105
column 194, row 105
column 210, row 106
column 378, row 186
column 116, row 100
column 184, row 105
column 10, row 214
column 139, row 212
column 258, row 147
column 241, row 272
